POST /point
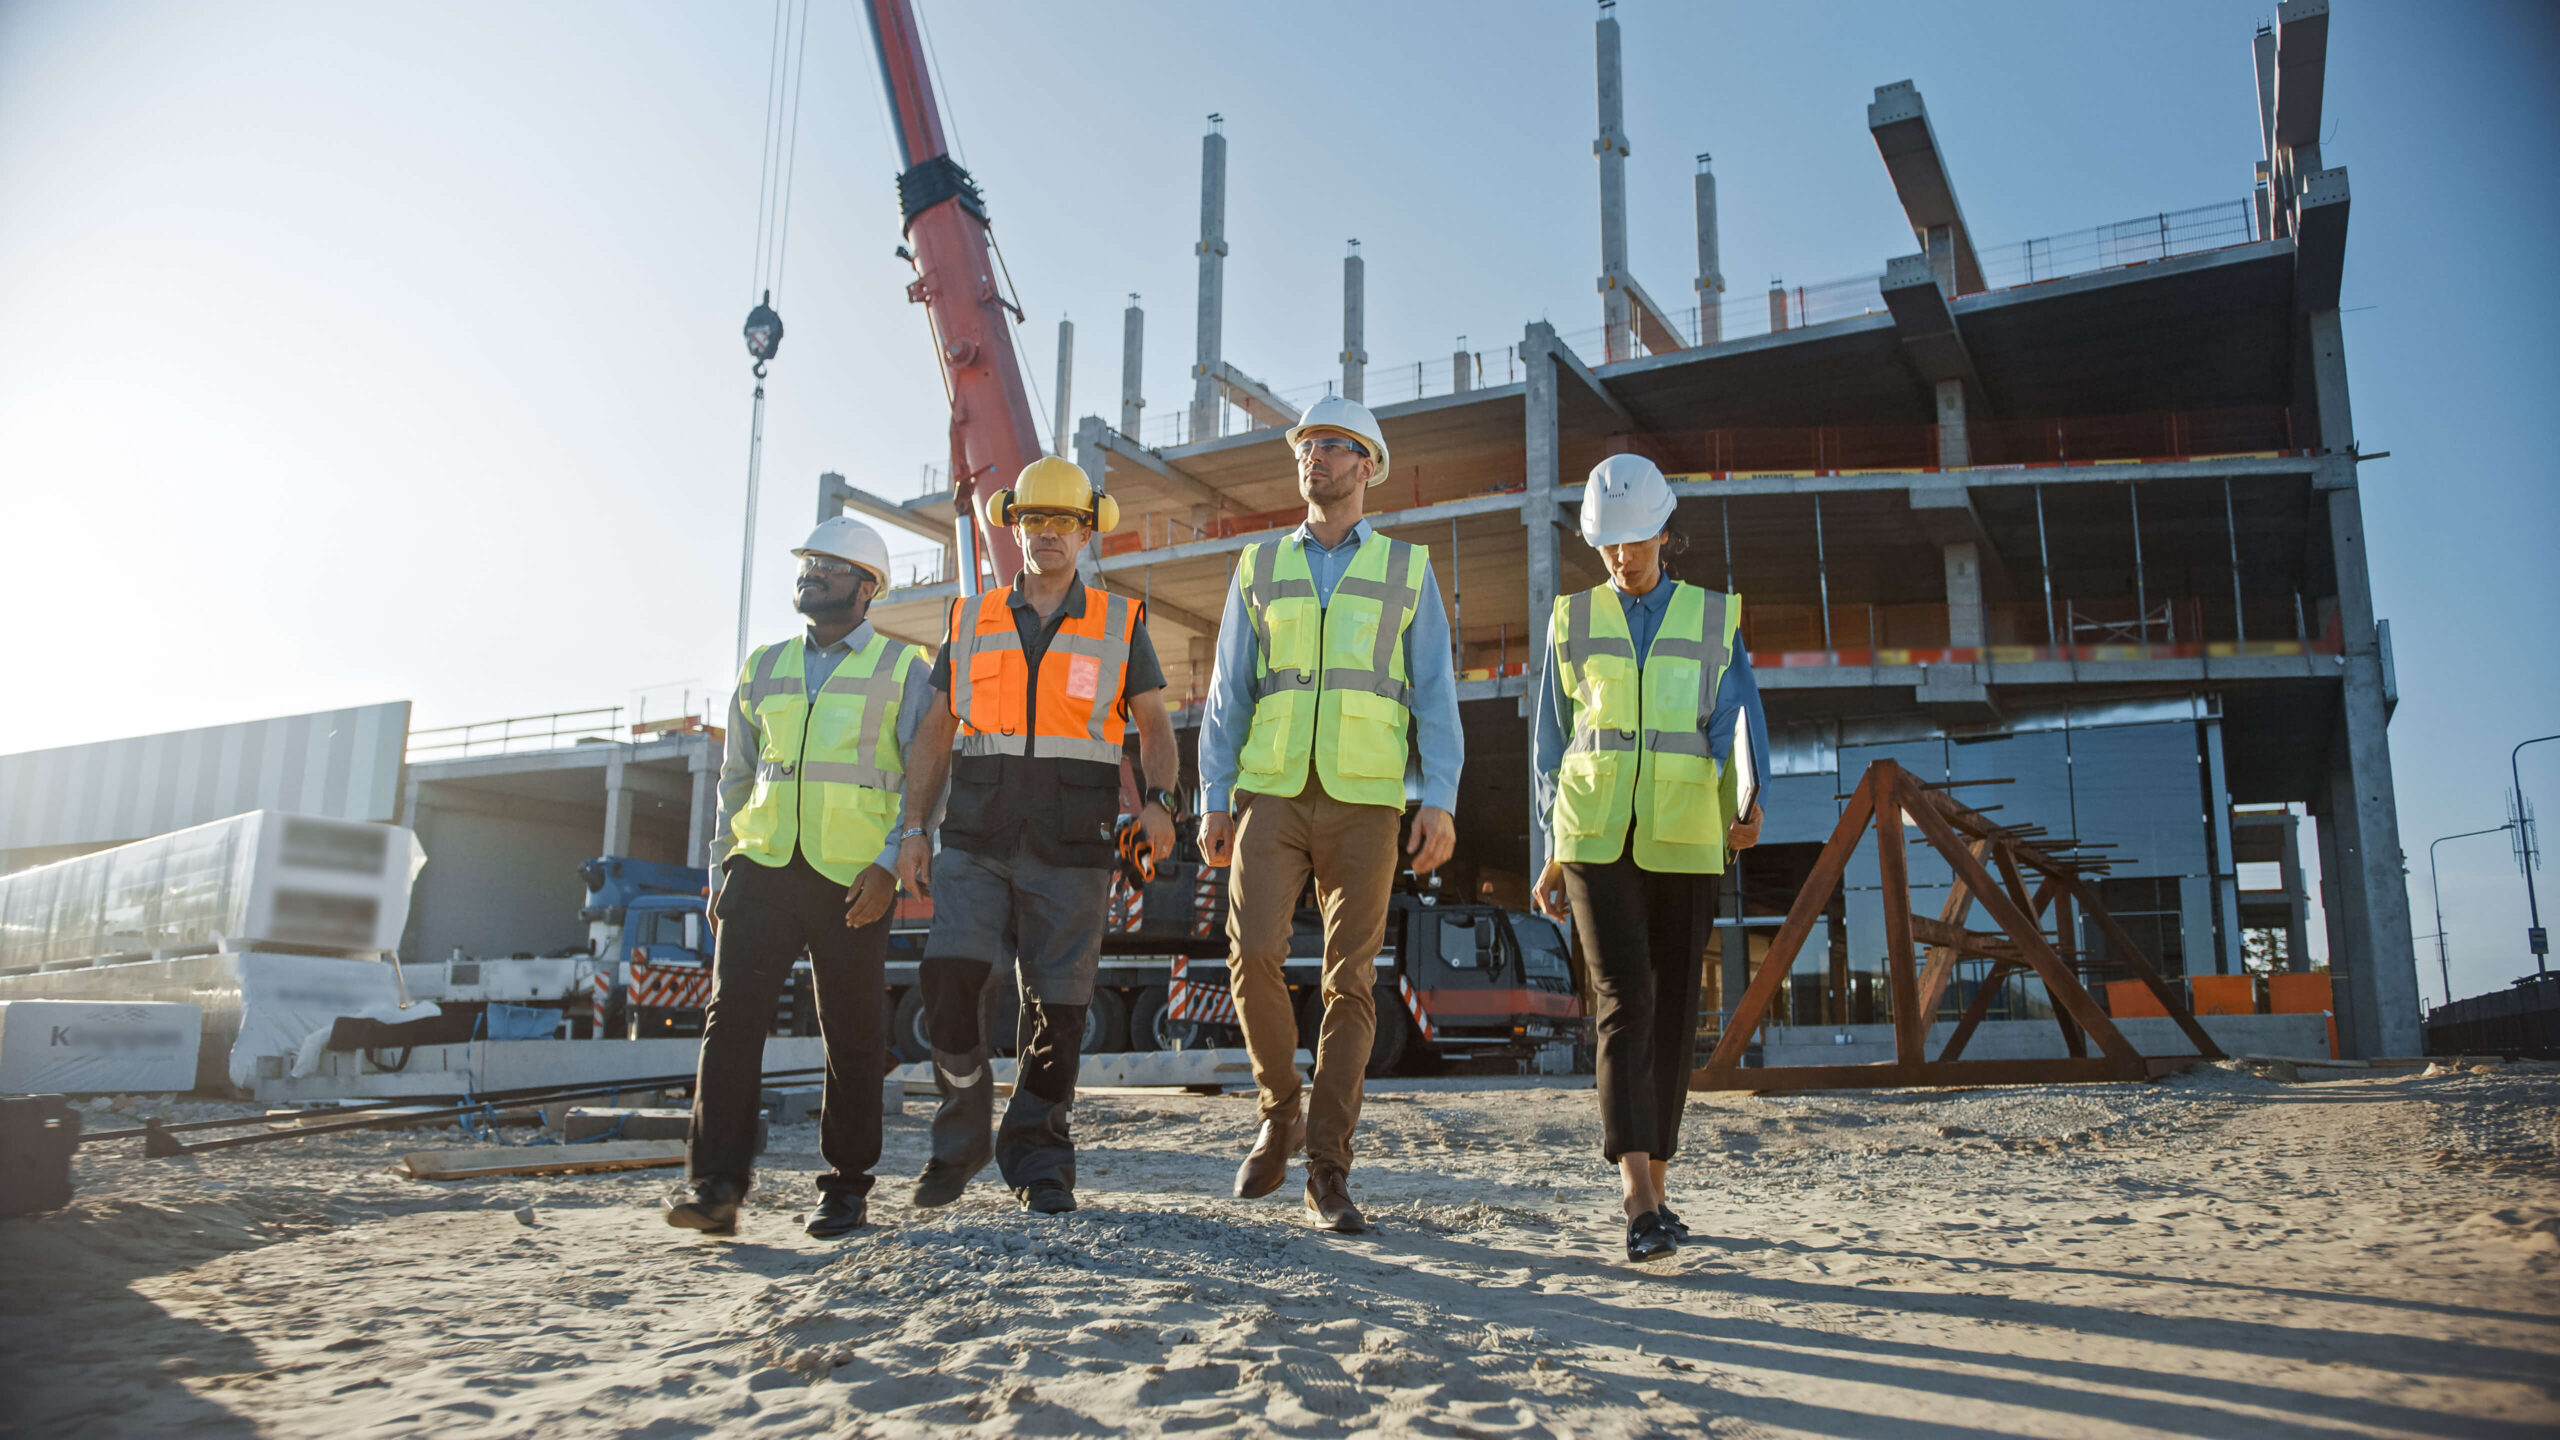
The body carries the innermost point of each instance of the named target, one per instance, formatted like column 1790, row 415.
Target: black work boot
column 713, row 1210
column 963, row 1126
column 839, row 1215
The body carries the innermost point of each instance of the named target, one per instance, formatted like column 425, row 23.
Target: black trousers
column 768, row 916
column 1644, row 938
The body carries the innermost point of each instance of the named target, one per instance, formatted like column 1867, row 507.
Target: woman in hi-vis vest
column 1648, row 746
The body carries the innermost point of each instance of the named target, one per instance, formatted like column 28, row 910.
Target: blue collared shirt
column 1228, row 717
column 1737, row 701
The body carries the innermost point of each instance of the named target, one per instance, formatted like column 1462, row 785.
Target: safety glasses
column 1330, row 446
column 1047, row 523
column 827, row 566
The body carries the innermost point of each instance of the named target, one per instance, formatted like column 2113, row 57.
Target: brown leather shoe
column 1267, row 1164
column 1329, row 1200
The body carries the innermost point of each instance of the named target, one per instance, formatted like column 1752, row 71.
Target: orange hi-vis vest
column 1079, row 716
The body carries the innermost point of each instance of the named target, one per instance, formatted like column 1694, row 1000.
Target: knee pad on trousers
column 951, row 987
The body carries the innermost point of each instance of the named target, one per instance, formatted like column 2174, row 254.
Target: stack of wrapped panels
column 265, row 880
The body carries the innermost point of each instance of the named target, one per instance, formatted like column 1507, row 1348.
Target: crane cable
column 778, row 165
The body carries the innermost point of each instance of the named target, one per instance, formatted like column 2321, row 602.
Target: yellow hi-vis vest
column 828, row 775
column 1330, row 680
column 1633, row 749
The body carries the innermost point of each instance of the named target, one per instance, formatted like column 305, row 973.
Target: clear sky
column 362, row 352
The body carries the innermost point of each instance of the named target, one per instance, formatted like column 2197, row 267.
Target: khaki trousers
column 1350, row 851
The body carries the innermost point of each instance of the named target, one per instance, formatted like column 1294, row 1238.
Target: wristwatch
column 1171, row 802
column 917, row 832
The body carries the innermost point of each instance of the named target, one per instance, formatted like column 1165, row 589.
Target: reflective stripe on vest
column 1080, row 716
column 1636, row 758
column 828, row 773
column 1329, row 683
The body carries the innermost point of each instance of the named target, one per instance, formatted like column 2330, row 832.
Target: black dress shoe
column 1678, row 1226
column 839, row 1215
column 1047, row 1197
column 713, row 1210
column 1650, row 1237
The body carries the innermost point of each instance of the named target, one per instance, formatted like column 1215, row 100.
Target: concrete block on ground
column 792, row 1104
column 589, row 1124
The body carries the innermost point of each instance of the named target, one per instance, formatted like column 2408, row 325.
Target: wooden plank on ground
column 542, row 1159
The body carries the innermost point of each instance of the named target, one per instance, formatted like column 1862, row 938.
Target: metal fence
column 517, row 733
column 1781, row 307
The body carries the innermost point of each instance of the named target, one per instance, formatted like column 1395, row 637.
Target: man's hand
column 873, row 892
column 1158, row 827
column 1746, row 831
column 1217, row 838
column 1435, row 835
column 915, row 866
column 1549, row 895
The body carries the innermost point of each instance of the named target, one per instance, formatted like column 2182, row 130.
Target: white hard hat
column 849, row 539
column 1625, row 500
column 1335, row 413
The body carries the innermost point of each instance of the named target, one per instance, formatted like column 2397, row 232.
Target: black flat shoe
column 713, row 1210
column 942, row 1182
column 1650, row 1237
column 839, row 1216
column 1678, row 1226
column 1047, row 1197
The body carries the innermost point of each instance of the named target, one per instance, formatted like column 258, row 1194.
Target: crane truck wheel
column 1387, row 1048
column 1149, row 1028
column 906, row 1028
column 1106, row 1023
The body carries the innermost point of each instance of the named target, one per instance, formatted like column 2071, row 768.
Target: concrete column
column 619, row 801
column 1461, row 370
column 1616, row 309
column 1066, row 385
column 1212, row 250
column 1355, row 322
column 1942, row 258
column 1093, row 460
column 1710, row 282
column 1777, row 306
column 1955, row 443
column 2369, row 881
column 2297, row 929
column 1965, row 624
column 2228, row 959
column 1543, row 433
column 703, row 819
column 1133, row 353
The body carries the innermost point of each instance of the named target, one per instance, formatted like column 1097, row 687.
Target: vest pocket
column 1266, row 745
column 779, row 719
column 1370, row 743
column 995, row 692
column 1584, row 784
column 857, row 822
column 835, row 727
column 1686, row 809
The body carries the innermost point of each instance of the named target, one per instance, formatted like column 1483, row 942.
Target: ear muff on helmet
column 1105, row 514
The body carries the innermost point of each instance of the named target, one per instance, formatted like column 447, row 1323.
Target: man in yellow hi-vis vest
column 1332, row 654
column 806, row 855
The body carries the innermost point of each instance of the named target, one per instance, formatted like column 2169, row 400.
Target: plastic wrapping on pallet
column 92, row 1047
column 261, row 880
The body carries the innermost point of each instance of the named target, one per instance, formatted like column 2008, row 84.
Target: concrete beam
column 1899, row 121
column 2320, row 240
column 1566, row 360
column 1501, row 502
column 835, row 496
column 1653, row 324
column 1945, row 514
column 2302, row 63
column 1930, row 338
column 1253, row 397
column 1154, row 464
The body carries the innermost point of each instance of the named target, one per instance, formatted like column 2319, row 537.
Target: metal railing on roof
column 517, row 734
column 1740, row 314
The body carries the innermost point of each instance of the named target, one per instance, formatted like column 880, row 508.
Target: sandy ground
column 2219, row 1254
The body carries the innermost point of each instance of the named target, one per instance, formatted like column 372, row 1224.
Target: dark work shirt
column 1062, row 808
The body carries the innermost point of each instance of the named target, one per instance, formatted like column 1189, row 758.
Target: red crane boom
column 993, row 431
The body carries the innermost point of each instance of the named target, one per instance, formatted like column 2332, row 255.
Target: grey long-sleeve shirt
column 738, row 758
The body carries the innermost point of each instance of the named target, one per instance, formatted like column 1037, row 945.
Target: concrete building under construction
column 2080, row 514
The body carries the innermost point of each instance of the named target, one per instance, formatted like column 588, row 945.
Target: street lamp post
column 2444, row 965
column 2534, row 937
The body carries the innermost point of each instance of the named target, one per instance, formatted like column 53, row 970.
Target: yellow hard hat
column 1052, row 483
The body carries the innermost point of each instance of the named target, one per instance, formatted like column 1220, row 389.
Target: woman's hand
column 1746, row 831
column 1548, row 895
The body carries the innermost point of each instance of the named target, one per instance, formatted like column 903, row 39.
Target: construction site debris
column 481, row 1163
